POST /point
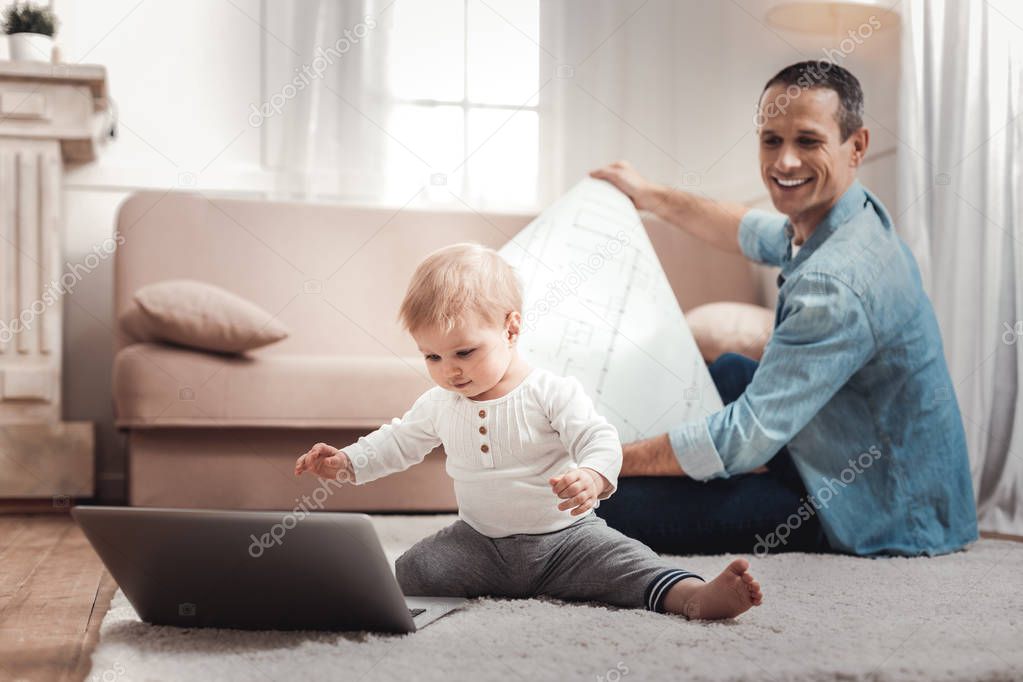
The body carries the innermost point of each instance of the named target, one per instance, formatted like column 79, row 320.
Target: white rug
column 957, row 617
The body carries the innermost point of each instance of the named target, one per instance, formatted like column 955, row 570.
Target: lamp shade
column 831, row 18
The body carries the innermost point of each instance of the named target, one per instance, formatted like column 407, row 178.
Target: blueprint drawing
column 598, row 306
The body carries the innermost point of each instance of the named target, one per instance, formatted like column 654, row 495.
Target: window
column 464, row 78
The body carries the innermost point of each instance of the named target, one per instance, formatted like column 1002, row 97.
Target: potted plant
column 30, row 30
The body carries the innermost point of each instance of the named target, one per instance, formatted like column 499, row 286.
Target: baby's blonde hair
column 458, row 280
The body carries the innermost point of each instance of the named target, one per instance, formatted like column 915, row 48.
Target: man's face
column 803, row 161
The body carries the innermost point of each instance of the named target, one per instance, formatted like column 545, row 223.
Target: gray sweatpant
column 588, row 561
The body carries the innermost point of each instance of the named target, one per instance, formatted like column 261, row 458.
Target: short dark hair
column 823, row 74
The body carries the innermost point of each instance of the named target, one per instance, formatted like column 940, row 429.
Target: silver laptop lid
column 248, row 569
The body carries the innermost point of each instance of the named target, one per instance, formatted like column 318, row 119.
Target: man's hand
column 580, row 488
column 326, row 462
column 622, row 175
column 715, row 222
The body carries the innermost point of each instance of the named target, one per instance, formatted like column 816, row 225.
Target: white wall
column 674, row 89
column 183, row 75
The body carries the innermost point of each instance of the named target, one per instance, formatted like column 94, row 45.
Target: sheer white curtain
column 403, row 101
column 507, row 103
column 612, row 90
column 961, row 193
column 326, row 100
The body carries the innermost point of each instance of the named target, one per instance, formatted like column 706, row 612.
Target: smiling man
column 847, row 436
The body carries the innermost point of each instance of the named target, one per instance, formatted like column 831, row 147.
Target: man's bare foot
column 726, row 596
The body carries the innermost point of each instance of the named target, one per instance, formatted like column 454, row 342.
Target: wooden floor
column 54, row 592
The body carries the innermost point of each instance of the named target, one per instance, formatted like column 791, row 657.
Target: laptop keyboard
column 416, row 612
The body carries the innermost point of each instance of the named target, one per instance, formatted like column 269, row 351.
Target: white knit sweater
column 500, row 452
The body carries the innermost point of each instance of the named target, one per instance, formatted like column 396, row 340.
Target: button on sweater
column 500, row 452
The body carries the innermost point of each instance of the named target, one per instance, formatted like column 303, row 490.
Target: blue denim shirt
column 854, row 381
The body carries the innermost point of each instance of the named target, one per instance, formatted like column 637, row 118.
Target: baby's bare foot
column 733, row 592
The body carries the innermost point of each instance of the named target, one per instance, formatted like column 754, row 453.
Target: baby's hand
column 580, row 489
column 326, row 462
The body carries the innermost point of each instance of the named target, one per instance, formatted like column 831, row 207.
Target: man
column 851, row 408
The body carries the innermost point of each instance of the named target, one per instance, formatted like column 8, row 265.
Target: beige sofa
column 207, row 430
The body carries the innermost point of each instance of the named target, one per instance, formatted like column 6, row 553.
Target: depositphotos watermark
column 275, row 535
column 561, row 289
column 812, row 503
column 832, row 56
column 614, row 674
column 56, row 288
column 1012, row 333
column 111, row 674
column 307, row 73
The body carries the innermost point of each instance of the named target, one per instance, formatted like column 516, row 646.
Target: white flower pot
column 30, row 47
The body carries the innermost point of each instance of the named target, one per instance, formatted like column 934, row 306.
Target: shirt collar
column 848, row 205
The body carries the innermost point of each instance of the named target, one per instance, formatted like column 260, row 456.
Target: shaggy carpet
column 955, row 617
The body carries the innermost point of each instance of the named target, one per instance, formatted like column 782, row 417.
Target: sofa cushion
column 158, row 385
column 725, row 327
column 204, row 316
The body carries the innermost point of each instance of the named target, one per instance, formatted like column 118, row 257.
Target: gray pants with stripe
column 588, row 561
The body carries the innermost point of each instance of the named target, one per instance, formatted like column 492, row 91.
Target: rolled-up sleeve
column 762, row 236
column 824, row 337
column 696, row 452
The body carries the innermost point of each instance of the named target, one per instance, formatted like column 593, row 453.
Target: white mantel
column 49, row 114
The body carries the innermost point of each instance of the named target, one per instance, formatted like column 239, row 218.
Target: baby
column 530, row 458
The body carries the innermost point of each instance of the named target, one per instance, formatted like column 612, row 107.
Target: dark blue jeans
column 677, row 515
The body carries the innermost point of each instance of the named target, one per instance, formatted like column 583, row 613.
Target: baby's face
column 470, row 359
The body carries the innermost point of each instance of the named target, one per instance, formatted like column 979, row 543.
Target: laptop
column 254, row 570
